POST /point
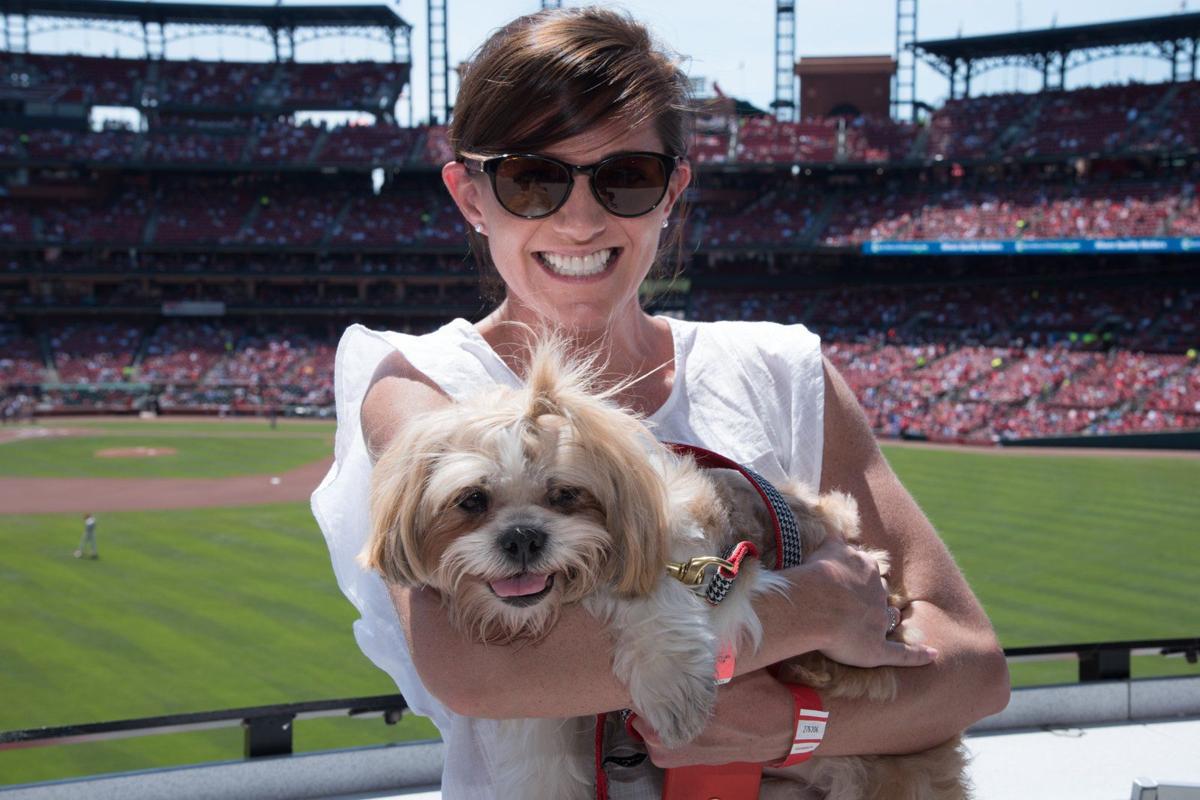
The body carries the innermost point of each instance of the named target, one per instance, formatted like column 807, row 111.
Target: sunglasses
column 533, row 187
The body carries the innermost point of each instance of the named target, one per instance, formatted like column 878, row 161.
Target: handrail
column 268, row 729
column 1107, row 661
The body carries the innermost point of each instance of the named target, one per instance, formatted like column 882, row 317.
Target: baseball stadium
column 1007, row 282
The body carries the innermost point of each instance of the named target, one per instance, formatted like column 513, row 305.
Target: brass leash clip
column 691, row 572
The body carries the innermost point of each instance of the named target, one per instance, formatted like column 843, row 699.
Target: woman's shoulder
column 750, row 338
column 454, row 357
column 361, row 345
column 451, row 335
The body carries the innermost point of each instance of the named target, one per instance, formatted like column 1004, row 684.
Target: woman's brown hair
column 549, row 76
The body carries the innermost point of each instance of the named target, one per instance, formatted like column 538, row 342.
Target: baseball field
column 213, row 588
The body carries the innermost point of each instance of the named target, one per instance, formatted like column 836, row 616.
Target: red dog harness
column 789, row 553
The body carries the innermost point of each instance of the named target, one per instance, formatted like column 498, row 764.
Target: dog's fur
column 552, row 494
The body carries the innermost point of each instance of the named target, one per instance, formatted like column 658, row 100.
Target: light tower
column 784, row 103
column 439, row 64
column 904, row 84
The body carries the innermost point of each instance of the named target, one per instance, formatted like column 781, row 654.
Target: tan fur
column 636, row 507
column 560, row 424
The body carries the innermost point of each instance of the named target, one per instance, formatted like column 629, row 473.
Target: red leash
column 738, row 781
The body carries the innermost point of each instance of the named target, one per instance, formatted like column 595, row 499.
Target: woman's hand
column 752, row 722
column 851, row 616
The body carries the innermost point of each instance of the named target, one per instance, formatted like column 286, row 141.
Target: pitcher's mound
column 135, row 452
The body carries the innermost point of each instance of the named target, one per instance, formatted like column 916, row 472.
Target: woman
column 571, row 131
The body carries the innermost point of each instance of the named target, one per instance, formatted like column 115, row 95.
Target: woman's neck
column 631, row 345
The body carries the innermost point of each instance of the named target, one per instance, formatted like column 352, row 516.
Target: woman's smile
column 579, row 266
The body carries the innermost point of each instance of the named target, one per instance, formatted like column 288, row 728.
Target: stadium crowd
column 226, row 199
column 980, row 364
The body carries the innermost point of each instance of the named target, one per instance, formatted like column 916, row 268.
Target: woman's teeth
column 578, row 265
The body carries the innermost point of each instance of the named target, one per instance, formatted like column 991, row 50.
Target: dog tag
column 725, row 665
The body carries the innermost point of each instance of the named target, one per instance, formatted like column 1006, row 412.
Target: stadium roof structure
column 281, row 21
column 1054, row 51
column 267, row 16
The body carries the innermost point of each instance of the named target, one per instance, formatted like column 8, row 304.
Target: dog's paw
column 680, row 710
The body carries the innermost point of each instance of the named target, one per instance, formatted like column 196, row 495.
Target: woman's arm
column 569, row 672
column 967, row 681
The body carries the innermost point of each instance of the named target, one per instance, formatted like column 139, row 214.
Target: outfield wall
column 1186, row 440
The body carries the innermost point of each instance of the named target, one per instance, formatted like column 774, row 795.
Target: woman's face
column 551, row 266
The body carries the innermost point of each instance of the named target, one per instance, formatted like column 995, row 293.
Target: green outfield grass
column 1069, row 549
column 209, row 609
column 202, row 450
column 214, row 426
column 189, row 610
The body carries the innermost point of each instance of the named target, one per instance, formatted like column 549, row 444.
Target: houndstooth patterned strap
column 787, row 532
column 789, row 552
column 722, row 579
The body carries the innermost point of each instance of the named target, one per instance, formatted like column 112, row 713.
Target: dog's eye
column 473, row 501
column 563, row 496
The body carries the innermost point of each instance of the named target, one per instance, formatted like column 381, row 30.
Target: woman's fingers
column 910, row 655
column 855, row 616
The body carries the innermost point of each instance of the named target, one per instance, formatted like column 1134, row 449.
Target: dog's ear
column 638, row 521
column 634, row 495
column 398, row 518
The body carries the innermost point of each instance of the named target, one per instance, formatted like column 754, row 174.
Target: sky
column 729, row 42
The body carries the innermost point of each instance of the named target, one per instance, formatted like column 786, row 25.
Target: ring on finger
column 893, row 618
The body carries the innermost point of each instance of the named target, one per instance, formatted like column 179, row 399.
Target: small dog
column 515, row 503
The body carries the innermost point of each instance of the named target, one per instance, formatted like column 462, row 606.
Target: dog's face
column 516, row 503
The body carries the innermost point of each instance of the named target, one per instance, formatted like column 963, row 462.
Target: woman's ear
column 465, row 191
column 680, row 178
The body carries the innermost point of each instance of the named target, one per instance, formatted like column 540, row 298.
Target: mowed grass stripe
column 194, row 457
column 214, row 425
column 1067, row 548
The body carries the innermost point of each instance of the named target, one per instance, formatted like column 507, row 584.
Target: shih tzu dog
column 518, row 502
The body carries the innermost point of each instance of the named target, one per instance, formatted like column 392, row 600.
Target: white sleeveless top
column 752, row 391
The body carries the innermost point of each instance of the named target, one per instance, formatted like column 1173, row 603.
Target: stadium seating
column 1089, row 120
column 1178, row 128
column 97, row 352
column 776, row 217
column 226, row 199
column 1043, row 212
column 969, row 128
column 185, row 352
column 202, row 211
column 371, row 144
column 762, row 140
column 20, row 357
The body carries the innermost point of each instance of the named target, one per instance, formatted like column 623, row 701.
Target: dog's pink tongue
column 520, row 585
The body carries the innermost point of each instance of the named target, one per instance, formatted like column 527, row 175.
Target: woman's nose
column 581, row 218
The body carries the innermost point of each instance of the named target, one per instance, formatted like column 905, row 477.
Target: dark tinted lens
column 529, row 186
column 631, row 185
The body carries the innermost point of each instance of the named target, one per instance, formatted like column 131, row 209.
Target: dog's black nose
column 523, row 545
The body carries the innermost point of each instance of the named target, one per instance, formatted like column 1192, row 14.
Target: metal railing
column 1107, row 661
column 269, row 729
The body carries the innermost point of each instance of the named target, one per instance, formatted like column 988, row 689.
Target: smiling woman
column 570, row 138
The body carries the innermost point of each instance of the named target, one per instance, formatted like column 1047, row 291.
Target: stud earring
column 666, row 222
column 478, row 228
